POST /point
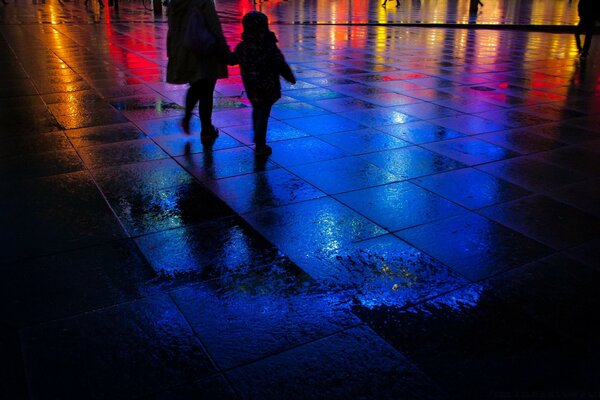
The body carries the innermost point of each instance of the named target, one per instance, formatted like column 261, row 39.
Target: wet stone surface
column 363, row 141
column 113, row 154
column 83, row 280
column 166, row 126
column 536, row 217
column 88, row 119
column 181, row 144
column 532, row 174
column 469, row 333
column 141, row 337
column 426, row 227
column 561, row 281
column 214, row 387
column 146, row 212
column 206, row 251
column 224, row 163
column 39, row 165
column 104, row 134
column 303, row 151
column 310, row 230
column 399, row 205
column 284, row 308
column 278, row 131
column 470, row 124
column 18, row 146
column 427, row 111
column 295, row 110
column 420, row 132
column 263, row 190
column 146, row 107
column 347, row 174
column 337, row 368
column 580, row 158
column 344, row 104
column 523, row 141
column 584, row 196
column 378, row 117
column 567, row 133
column 383, row 271
column 321, row 125
column 141, row 177
column 471, row 188
column 470, row 151
column 36, row 209
column 412, row 162
column 474, row 246
column 19, row 121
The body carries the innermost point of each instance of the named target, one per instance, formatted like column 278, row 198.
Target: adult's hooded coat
column 184, row 66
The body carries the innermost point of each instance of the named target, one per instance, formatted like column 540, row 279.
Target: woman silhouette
column 186, row 66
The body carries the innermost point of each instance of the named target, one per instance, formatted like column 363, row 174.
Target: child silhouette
column 261, row 64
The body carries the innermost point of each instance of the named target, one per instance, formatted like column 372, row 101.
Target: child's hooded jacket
column 261, row 61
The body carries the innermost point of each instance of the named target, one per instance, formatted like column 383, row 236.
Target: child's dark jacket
column 261, row 61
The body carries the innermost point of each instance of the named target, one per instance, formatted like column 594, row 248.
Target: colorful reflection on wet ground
column 426, row 227
column 495, row 12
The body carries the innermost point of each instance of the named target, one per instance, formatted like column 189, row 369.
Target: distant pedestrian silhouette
column 261, row 65
column 474, row 5
column 100, row 3
column 474, row 10
column 385, row 3
column 589, row 13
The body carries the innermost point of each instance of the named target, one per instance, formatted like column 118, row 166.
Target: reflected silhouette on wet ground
column 427, row 226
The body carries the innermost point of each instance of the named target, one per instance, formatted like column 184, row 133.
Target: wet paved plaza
column 427, row 227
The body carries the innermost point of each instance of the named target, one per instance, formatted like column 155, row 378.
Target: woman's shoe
column 185, row 125
column 209, row 133
column 263, row 150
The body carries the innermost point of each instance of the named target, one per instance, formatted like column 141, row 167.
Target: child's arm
column 287, row 73
column 233, row 57
column 283, row 67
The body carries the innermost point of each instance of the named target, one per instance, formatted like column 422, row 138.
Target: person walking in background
column 100, row 3
column 589, row 13
column 474, row 10
column 385, row 3
column 474, row 5
column 187, row 66
column 261, row 64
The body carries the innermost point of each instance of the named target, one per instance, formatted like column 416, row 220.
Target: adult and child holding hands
column 260, row 60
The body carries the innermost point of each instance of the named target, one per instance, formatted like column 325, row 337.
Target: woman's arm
column 214, row 25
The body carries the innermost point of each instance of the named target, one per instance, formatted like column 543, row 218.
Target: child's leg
column 260, row 121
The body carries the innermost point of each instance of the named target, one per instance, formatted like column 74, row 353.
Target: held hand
column 231, row 59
